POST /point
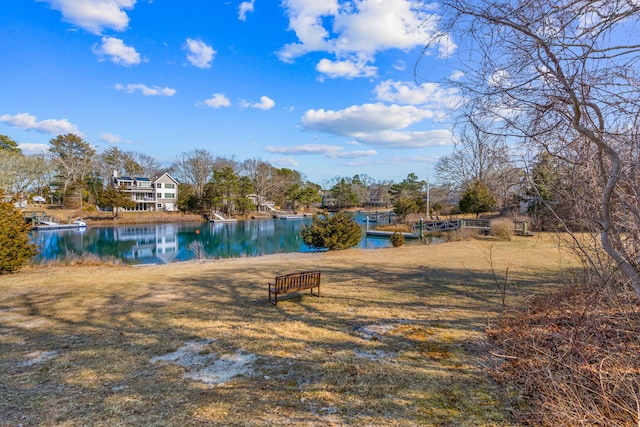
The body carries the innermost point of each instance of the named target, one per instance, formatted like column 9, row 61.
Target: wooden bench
column 294, row 282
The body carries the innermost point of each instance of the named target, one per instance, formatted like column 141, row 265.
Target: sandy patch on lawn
column 210, row 368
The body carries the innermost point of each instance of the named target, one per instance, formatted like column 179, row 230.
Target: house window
column 159, row 185
column 144, row 184
column 159, row 205
column 169, row 195
column 169, row 186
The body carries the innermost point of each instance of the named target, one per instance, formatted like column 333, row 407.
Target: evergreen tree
column 344, row 194
column 338, row 231
column 9, row 145
column 114, row 199
column 15, row 248
column 544, row 180
column 477, row 199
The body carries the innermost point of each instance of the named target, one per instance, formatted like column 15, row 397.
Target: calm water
column 165, row 243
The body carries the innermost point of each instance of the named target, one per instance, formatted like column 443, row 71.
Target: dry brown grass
column 400, row 228
column 393, row 341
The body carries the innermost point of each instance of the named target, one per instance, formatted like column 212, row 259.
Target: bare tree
column 194, row 168
column 480, row 157
column 130, row 163
column 19, row 173
column 563, row 76
column 73, row 158
column 262, row 176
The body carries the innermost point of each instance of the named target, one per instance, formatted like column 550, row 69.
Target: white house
column 157, row 194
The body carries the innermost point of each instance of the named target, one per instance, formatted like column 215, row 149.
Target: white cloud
column 305, row 18
column 265, row 103
column 305, row 149
column 348, row 69
column 244, row 8
column 31, row 148
column 329, row 151
column 285, row 162
column 359, row 30
column 364, row 119
column 200, row 54
column 500, row 78
column 456, row 76
column 117, row 52
column 400, row 65
column 111, row 138
column 95, row 15
column 417, row 139
column 355, row 154
column 28, row 122
column 379, row 125
column 446, row 46
column 146, row 90
column 430, row 95
column 218, row 100
column 400, row 161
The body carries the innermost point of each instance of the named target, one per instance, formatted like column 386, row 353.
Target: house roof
column 168, row 175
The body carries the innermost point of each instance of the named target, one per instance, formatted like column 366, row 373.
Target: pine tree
column 338, row 231
column 477, row 199
column 113, row 198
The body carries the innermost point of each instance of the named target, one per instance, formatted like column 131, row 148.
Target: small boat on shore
column 51, row 225
column 291, row 216
column 219, row 218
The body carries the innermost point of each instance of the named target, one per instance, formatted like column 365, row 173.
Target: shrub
column 15, row 248
column 502, row 228
column 397, row 239
column 338, row 231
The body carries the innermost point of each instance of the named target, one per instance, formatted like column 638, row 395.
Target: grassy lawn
column 395, row 340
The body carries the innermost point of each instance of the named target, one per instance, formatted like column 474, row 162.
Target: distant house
column 157, row 194
column 262, row 204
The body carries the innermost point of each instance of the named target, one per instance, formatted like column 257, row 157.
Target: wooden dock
column 70, row 226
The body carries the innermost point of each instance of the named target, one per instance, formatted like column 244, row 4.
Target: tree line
column 73, row 174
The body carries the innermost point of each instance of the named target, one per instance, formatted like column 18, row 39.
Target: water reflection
column 165, row 243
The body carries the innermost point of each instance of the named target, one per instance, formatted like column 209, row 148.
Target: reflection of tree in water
column 104, row 244
column 180, row 242
column 62, row 244
column 252, row 238
column 197, row 248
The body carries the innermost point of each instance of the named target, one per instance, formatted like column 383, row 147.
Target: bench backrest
column 302, row 280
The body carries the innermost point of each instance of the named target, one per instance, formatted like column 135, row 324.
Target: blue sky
column 325, row 87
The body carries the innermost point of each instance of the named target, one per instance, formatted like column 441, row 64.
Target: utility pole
column 428, row 199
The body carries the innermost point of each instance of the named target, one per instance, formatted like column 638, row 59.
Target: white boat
column 220, row 218
column 51, row 225
column 80, row 223
column 292, row 216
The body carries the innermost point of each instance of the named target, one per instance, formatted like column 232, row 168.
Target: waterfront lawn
column 397, row 338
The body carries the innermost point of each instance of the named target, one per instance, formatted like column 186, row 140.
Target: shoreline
column 99, row 218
